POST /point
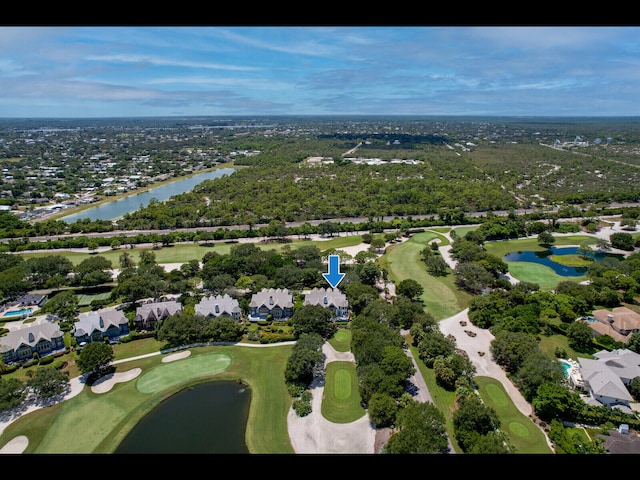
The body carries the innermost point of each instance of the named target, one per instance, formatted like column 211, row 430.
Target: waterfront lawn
column 64, row 427
column 500, row 248
column 544, row 276
column 532, row 272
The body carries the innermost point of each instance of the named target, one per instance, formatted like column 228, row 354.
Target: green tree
column 554, row 400
column 305, row 358
column 436, row 265
column 634, row 342
column 472, row 277
column 580, row 336
column 64, row 304
column 634, row 388
column 622, row 241
column 312, row 319
column 420, row 429
column 93, row 271
column 472, row 420
column 12, row 393
column 537, row 368
column 369, row 273
column 95, row 358
column 409, row 288
column 49, row 382
column 545, row 239
column 382, row 409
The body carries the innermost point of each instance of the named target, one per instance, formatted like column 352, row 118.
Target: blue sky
column 100, row 71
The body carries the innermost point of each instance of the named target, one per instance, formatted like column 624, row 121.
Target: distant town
column 48, row 165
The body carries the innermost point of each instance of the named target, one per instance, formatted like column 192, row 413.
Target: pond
column 544, row 258
column 207, row 418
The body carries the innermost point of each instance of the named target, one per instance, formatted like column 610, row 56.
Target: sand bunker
column 176, row 356
column 16, row 445
column 107, row 382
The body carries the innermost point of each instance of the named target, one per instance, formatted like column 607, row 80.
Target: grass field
column 97, row 423
column 113, row 414
column 341, row 398
column 532, row 272
column 184, row 252
column 441, row 297
column 85, row 300
column 524, row 435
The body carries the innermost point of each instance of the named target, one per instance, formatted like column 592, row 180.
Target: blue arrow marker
column 334, row 277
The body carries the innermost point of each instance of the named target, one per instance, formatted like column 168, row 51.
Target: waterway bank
column 113, row 207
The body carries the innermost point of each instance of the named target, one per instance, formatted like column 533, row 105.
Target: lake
column 131, row 203
column 543, row 258
column 207, row 418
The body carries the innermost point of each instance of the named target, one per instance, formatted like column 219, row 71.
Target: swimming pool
column 16, row 313
column 566, row 367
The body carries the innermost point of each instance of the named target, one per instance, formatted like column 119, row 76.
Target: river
column 131, row 203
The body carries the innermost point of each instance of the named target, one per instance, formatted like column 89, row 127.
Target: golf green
column 174, row 373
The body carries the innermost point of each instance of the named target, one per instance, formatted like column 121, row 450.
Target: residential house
column 215, row 306
column 619, row 323
column 19, row 345
column 27, row 301
column 277, row 303
column 32, row 300
column 150, row 314
column 607, row 376
column 94, row 326
column 330, row 298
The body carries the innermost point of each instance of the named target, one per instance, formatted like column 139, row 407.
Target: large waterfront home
column 330, row 298
column 215, row 306
column 271, row 303
column 150, row 314
column 95, row 326
column 606, row 377
column 42, row 339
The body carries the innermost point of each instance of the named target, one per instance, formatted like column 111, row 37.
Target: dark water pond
column 543, row 258
column 208, row 418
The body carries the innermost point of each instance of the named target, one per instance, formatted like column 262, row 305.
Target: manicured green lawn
column 184, row 252
column 341, row 398
column 532, row 272
column 544, row 276
column 524, row 435
column 97, row 423
column 441, row 297
column 341, row 340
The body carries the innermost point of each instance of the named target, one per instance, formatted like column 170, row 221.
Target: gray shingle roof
column 325, row 297
column 217, row 305
column 272, row 298
column 100, row 320
column 29, row 336
column 602, row 380
column 159, row 310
